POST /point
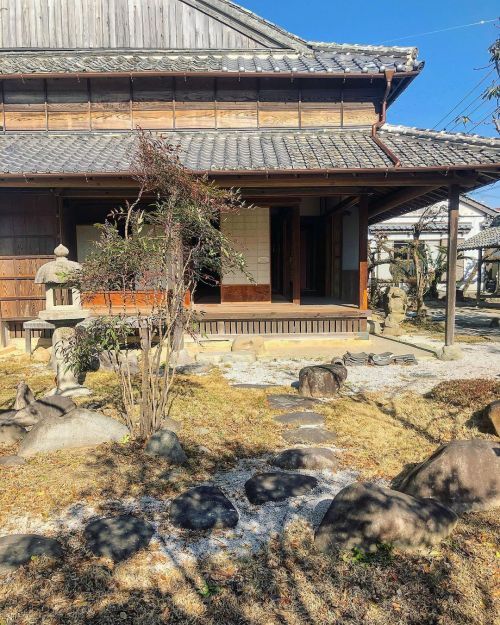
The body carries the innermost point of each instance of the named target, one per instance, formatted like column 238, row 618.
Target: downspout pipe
column 389, row 74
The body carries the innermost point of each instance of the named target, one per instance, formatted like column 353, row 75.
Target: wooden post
column 479, row 275
column 363, row 253
column 296, row 255
column 451, row 281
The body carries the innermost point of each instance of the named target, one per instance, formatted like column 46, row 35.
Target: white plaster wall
column 350, row 241
column 249, row 232
column 85, row 237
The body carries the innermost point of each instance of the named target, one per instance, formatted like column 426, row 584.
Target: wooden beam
column 345, row 204
column 363, row 254
column 296, row 267
column 479, row 275
column 451, row 278
column 397, row 198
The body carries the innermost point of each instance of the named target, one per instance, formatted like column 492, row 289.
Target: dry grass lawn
column 288, row 583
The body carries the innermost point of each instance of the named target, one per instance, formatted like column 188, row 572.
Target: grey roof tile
column 487, row 239
column 240, row 150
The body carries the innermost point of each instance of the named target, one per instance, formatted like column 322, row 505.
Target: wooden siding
column 28, row 235
column 164, row 103
column 112, row 24
column 327, row 324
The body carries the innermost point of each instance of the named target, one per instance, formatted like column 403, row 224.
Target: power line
column 490, row 114
column 462, row 114
column 441, row 30
column 464, row 98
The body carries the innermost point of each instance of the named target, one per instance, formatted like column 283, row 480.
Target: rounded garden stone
column 365, row 516
column 203, row 508
column 78, row 428
column 165, row 444
column 19, row 549
column 24, row 396
column 463, row 475
column 300, row 418
column 11, row 434
column 493, row 416
column 287, row 402
column 119, row 537
column 45, row 408
column 267, row 487
column 316, row 436
column 312, row 458
column 322, row 380
column 12, row 461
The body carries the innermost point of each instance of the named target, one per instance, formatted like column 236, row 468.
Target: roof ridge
column 439, row 134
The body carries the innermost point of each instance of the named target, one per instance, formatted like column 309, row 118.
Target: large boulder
column 309, row 458
column 463, row 475
column 11, row 434
column 24, row 396
column 364, row 516
column 203, row 508
column 78, row 428
column 493, row 416
column 19, row 549
column 118, row 538
column 268, row 487
column 47, row 407
column 165, row 444
column 322, row 380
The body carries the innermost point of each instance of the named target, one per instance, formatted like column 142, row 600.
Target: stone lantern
column 62, row 302
column 63, row 311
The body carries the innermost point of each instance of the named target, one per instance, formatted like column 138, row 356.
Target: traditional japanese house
column 299, row 126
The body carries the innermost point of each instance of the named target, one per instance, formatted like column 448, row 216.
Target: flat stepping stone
column 309, row 435
column 19, row 549
column 12, row 461
column 203, row 508
column 268, row 487
column 300, row 418
column 118, row 538
column 287, row 402
column 312, row 458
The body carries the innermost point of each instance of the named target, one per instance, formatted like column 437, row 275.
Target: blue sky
column 455, row 60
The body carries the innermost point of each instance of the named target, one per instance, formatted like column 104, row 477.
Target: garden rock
column 19, row 549
column 12, row 461
column 203, row 508
column 287, row 402
column 365, row 516
column 316, row 436
column 301, row 419
column 321, row 380
column 118, row 538
column 24, row 396
column 463, row 475
column 47, row 407
column 112, row 361
column 309, row 458
column 11, row 434
column 493, row 416
column 254, row 344
column 268, row 487
column 78, row 428
column 165, row 444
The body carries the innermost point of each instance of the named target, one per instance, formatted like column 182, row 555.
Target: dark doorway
column 312, row 256
column 281, row 254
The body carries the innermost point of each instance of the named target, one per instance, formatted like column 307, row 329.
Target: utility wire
column 462, row 114
column 490, row 114
column 441, row 30
column 464, row 98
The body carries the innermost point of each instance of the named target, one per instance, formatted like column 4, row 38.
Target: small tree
column 148, row 260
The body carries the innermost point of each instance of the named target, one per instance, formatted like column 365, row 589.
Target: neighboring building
column 299, row 126
column 474, row 217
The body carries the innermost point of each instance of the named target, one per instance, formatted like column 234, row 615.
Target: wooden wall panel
column 245, row 293
column 166, row 102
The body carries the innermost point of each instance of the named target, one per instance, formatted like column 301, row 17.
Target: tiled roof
column 433, row 227
column 486, row 239
column 323, row 59
column 238, row 150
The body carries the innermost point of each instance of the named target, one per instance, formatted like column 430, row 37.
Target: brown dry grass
column 288, row 583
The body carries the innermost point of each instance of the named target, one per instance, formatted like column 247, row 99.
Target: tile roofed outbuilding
column 240, row 150
column 489, row 238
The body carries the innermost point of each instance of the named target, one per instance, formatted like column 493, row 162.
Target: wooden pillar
column 363, row 254
column 296, row 255
column 479, row 275
column 451, row 282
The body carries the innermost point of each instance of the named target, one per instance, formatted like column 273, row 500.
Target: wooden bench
column 32, row 326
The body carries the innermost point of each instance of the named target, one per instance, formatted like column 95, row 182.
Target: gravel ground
column 480, row 361
column 256, row 526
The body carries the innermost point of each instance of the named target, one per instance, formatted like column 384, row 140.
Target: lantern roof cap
column 57, row 271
